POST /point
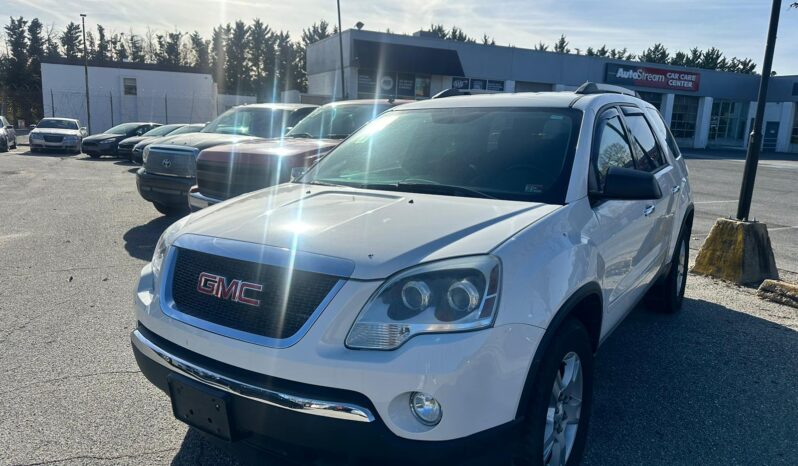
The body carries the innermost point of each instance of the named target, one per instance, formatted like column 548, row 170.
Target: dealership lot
column 712, row 385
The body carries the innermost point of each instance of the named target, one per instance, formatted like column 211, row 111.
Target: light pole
column 755, row 141
column 86, row 71
column 341, row 49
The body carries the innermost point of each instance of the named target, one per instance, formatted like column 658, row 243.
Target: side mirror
column 629, row 184
column 9, row 126
column 296, row 172
column 32, row 126
column 83, row 129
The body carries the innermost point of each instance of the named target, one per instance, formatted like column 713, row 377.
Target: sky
column 737, row 27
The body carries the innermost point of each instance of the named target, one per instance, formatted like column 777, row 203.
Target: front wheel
column 555, row 425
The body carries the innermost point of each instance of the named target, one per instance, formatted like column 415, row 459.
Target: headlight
column 164, row 243
column 448, row 296
column 107, row 141
column 145, row 154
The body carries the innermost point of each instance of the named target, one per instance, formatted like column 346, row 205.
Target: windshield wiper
column 301, row 136
column 317, row 183
column 445, row 189
column 337, row 136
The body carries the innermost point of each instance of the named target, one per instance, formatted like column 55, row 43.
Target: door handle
column 676, row 189
column 649, row 210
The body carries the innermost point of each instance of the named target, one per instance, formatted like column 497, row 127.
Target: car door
column 623, row 224
column 650, row 157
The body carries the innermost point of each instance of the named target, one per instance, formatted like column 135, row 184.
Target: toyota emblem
column 166, row 163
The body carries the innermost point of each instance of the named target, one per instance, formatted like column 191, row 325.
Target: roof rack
column 451, row 92
column 601, row 88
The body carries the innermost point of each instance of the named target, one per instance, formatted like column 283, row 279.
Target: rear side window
column 613, row 148
column 662, row 131
column 646, row 151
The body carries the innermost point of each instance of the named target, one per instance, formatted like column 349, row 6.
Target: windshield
column 336, row 121
column 162, row 130
column 58, row 124
column 187, row 129
column 505, row 153
column 250, row 121
column 123, row 128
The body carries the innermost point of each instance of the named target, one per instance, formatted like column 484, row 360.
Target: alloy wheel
column 564, row 411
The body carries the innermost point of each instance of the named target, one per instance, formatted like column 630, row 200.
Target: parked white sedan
column 435, row 286
column 57, row 133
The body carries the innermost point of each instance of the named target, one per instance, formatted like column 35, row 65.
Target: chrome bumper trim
column 199, row 201
column 343, row 411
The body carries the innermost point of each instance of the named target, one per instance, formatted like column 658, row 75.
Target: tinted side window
column 647, row 153
column 662, row 131
column 613, row 148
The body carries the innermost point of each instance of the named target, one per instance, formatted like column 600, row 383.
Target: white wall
column 162, row 96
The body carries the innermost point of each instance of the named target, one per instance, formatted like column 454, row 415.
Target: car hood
column 252, row 151
column 135, row 140
column 381, row 232
column 205, row 140
column 59, row 131
column 102, row 136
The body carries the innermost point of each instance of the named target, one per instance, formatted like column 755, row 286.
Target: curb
column 779, row 292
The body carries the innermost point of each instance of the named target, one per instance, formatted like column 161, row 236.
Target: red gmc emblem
column 236, row 290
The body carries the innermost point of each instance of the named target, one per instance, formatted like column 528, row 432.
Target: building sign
column 367, row 81
column 461, row 84
column 496, row 86
column 370, row 84
column 644, row 76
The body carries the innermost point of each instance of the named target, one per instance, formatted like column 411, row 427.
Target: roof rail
column 451, row 92
column 601, row 88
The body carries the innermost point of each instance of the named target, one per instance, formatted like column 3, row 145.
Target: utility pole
column 52, row 103
column 86, row 70
column 111, row 100
column 755, row 140
column 341, row 49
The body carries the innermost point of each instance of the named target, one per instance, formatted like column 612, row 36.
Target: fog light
column 425, row 408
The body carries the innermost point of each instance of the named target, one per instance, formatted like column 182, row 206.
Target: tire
column 667, row 294
column 94, row 155
column 170, row 210
column 546, row 421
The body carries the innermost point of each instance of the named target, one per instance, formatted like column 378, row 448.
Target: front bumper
column 41, row 144
column 198, row 201
column 168, row 190
column 300, row 415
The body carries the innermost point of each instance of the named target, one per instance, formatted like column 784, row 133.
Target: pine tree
column 458, row 35
column 541, row 47
column 487, row 40
column 712, row 59
column 561, row 46
column 261, row 56
column 657, row 53
column 199, row 47
column 171, row 48
column 237, row 69
column 439, row 30
column 35, row 48
column 103, row 51
column 71, row 41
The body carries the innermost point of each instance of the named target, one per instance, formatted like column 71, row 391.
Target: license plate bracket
column 200, row 406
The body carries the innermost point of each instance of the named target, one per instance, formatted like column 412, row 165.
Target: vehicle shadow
column 708, row 386
column 140, row 240
column 49, row 154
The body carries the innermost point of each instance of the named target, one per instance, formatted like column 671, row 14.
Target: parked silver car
column 8, row 137
column 57, row 133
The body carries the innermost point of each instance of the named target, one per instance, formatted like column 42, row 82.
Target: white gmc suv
column 435, row 285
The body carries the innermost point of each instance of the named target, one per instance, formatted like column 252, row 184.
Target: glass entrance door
column 727, row 124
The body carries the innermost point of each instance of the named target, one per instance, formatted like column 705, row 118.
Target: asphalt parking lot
column 713, row 385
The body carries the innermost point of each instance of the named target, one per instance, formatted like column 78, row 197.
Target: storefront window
column 727, row 123
column 685, row 113
column 654, row 98
column 794, row 138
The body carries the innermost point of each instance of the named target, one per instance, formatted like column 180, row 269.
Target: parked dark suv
column 106, row 143
column 170, row 167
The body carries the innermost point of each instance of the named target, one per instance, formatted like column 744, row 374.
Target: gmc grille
column 288, row 299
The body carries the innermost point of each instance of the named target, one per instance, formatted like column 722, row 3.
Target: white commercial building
column 125, row 92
